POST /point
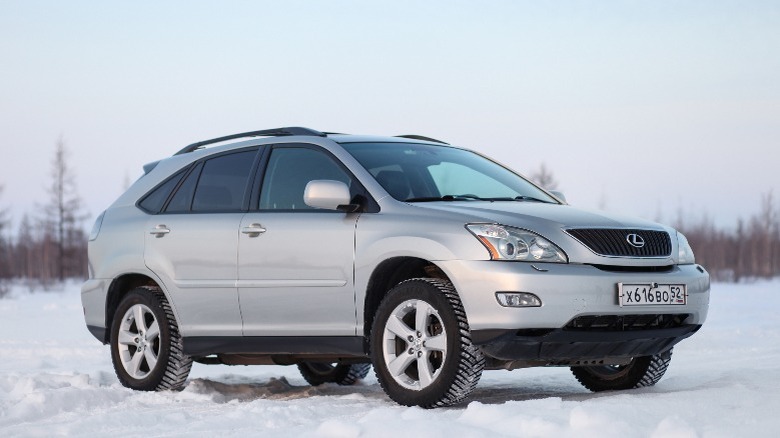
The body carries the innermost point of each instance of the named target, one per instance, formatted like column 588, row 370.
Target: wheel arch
column 389, row 273
column 120, row 287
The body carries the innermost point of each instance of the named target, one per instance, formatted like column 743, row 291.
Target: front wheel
column 146, row 347
column 640, row 372
column 421, row 345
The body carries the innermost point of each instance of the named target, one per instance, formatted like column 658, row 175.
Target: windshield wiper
column 531, row 198
column 444, row 198
column 508, row 198
column 474, row 198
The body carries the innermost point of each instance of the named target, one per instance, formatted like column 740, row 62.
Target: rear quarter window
column 154, row 201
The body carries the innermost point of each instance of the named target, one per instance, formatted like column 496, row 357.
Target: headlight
column 685, row 252
column 507, row 243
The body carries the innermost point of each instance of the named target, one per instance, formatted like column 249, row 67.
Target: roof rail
column 278, row 132
column 420, row 137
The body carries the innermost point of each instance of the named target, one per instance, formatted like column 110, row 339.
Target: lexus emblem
column 635, row 240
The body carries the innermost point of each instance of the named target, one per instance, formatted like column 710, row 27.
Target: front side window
column 289, row 170
column 420, row 172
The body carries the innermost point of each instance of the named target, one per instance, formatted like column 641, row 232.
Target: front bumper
column 566, row 291
column 563, row 347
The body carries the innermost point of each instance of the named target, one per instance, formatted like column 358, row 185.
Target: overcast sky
column 643, row 108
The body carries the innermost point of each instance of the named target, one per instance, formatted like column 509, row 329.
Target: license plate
column 652, row 294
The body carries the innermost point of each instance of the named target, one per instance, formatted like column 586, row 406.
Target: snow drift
column 55, row 379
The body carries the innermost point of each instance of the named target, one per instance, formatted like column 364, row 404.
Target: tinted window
column 223, row 181
column 288, row 172
column 154, row 201
column 182, row 199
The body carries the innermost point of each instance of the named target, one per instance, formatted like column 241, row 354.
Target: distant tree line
column 751, row 250
column 50, row 245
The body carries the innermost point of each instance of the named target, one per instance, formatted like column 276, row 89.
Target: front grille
column 614, row 242
column 624, row 323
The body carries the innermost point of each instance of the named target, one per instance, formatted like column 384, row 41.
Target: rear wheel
column 421, row 345
column 146, row 347
column 317, row 373
column 640, row 372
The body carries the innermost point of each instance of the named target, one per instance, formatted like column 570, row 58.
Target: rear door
column 192, row 244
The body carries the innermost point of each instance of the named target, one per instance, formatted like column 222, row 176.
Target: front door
column 295, row 268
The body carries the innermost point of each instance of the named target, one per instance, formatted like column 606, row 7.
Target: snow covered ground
column 55, row 379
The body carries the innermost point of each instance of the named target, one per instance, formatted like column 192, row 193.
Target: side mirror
column 329, row 195
column 559, row 195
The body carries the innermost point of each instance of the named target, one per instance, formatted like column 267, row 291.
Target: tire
column 441, row 373
column 640, row 372
column 317, row 373
column 148, row 356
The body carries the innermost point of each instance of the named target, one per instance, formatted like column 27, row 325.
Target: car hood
column 534, row 214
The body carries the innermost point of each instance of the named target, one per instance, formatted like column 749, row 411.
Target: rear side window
column 223, row 182
column 182, row 199
column 154, row 201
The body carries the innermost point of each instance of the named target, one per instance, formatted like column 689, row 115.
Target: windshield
column 416, row 172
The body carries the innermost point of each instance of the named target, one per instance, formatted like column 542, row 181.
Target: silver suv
column 334, row 252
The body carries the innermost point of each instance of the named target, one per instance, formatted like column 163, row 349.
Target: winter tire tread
column 470, row 361
column 177, row 365
column 641, row 372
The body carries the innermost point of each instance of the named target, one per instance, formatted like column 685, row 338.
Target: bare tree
column 25, row 250
column 764, row 228
column 3, row 216
column 63, row 215
column 3, row 213
column 544, row 178
column 6, row 271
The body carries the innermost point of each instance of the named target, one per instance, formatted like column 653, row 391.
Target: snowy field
column 55, row 379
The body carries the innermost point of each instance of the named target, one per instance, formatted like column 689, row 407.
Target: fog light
column 518, row 299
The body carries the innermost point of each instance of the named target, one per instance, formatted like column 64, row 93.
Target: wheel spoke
column 399, row 365
column 127, row 338
column 153, row 331
column 438, row 343
column 399, row 328
column 151, row 358
column 422, row 311
column 138, row 315
column 424, row 371
column 134, row 366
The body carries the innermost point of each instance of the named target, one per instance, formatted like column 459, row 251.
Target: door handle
column 253, row 230
column 160, row 230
